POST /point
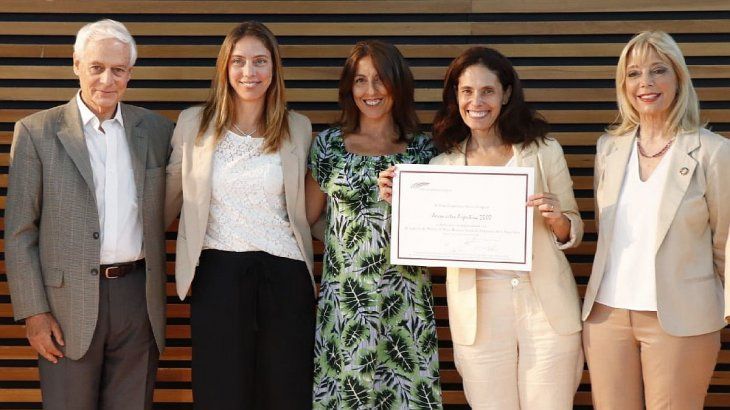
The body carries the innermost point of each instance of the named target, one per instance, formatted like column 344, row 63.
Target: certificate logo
column 419, row 185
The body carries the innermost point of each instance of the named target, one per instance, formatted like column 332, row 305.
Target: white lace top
column 247, row 206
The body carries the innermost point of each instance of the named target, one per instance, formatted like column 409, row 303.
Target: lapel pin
column 684, row 171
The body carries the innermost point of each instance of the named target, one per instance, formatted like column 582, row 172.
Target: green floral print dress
column 376, row 345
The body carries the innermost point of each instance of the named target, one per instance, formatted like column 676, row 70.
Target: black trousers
column 252, row 321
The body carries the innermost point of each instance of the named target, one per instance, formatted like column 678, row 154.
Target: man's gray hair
column 101, row 30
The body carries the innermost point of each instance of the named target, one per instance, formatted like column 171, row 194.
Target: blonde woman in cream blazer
column 653, row 308
column 244, row 246
column 516, row 335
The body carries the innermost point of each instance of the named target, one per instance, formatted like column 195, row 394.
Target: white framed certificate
column 462, row 216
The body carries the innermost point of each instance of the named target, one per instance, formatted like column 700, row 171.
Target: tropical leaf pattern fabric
column 376, row 345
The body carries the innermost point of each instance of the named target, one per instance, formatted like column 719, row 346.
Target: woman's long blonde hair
column 685, row 109
column 219, row 110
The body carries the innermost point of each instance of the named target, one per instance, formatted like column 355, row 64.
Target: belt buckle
column 109, row 275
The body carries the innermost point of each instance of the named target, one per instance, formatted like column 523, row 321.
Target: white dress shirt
column 629, row 281
column 116, row 194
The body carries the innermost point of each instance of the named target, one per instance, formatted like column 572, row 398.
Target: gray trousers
column 118, row 371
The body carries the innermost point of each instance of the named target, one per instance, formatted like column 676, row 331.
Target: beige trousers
column 517, row 361
column 632, row 360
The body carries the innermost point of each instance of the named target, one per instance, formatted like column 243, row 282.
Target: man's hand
column 39, row 329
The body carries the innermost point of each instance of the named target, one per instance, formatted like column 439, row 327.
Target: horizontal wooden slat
column 595, row 6
column 18, row 332
column 554, row 72
column 369, row 29
column 357, row 7
column 34, row 395
column 567, row 95
column 408, row 50
column 248, row 7
column 32, row 374
column 565, row 138
column 602, row 117
column 25, row 352
column 221, row 29
column 166, row 374
column 588, row 27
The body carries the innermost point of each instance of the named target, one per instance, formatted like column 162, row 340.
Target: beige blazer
column 189, row 186
column 551, row 276
column 692, row 228
column 52, row 248
column 727, row 294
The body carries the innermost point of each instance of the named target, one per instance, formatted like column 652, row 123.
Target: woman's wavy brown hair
column 516, row 123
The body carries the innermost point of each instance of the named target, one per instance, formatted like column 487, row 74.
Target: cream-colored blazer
column 189, row 174
column 551, row 276
column 691, row 233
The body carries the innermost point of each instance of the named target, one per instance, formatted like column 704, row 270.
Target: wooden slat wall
column 564, row 51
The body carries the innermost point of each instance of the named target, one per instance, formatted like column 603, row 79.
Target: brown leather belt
column 119, row 270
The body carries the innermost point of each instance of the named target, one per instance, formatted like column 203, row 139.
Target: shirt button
column 515, row 282
column 94, row 272
column 95, row 235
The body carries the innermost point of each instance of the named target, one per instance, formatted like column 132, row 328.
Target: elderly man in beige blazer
column 84, row 233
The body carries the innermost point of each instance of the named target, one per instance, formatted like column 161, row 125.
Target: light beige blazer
column 551, row 276
column 691, row 233
column 189, row 174
column 727, row 294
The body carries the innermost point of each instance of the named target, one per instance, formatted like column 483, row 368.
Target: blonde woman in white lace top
column 244, row 246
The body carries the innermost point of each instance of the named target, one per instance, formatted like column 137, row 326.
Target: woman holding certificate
column 376, row 343
column 516, row 335
column 654, row 304
column 237, row 170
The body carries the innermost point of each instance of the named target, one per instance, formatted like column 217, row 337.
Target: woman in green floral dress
column 376, row 345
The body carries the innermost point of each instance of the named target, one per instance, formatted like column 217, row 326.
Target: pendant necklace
column 243, row 133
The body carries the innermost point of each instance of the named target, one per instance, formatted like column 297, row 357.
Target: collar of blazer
column 71, row 134
column 680, row 171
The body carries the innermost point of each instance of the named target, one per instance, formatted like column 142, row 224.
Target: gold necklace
column 243, row 133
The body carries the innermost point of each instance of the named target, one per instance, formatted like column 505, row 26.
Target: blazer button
column 95, row 235
column 94, row 272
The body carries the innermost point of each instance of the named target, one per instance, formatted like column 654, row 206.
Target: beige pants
column 632, row 359
column 517, row 360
